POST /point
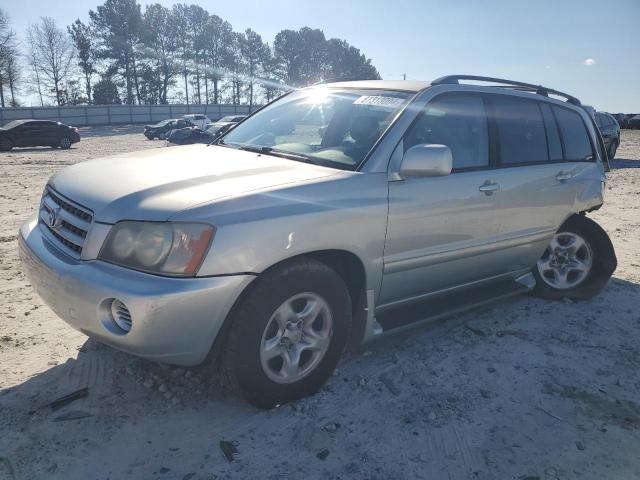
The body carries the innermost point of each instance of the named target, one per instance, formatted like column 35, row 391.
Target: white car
column 198, row 120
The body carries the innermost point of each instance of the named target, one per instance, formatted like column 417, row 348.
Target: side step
column 410, row 316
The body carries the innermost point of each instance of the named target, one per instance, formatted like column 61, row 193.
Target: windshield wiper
column 278, row 153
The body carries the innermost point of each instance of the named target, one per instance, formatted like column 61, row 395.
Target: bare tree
column 53, row 54
column 33, row 61
column 8, row 58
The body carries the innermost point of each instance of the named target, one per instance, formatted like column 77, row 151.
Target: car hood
column 156, row 184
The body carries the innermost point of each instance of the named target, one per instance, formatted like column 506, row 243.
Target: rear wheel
column 288, row 333
column 5, row 145
column 65, row 143
column 578, row 262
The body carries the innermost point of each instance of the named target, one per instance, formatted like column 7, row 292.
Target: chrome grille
column 65, row 222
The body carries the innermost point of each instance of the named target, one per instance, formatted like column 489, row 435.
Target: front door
column 442, row 230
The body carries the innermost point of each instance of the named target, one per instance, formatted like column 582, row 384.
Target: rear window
column 521, row 131
column 577, row 146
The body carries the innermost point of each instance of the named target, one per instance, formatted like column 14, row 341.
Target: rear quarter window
column 577, row 146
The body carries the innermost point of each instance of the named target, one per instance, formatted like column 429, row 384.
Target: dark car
column 634, row 122
column 189, row 135
column 610, row 131
column 161, row 129
column 222, row 125
column 37, row 133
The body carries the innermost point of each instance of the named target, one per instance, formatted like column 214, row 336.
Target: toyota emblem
column 53, row 220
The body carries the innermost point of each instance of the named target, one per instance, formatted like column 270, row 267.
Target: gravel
column 527, row 388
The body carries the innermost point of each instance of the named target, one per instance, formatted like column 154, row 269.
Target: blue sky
column 543, row 41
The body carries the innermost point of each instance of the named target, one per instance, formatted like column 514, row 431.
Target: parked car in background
column 197, row 119
column 334, row 215
column 37, row 133
column 161, row 129
column 610, row 131
column 634, row 122
column 222, row 125
column 189, row 136
column 621, row 118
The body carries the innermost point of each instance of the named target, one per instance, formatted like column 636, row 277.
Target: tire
column 612, row 150
column 64, row 143
column 5, row 145
column 257, row 322
column 598, row 253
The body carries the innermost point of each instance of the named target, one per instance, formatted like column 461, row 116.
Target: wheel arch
column 350, row 268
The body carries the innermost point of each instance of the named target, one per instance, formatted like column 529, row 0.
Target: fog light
column 120, row 315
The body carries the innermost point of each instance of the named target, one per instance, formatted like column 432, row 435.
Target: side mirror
column 426, row 160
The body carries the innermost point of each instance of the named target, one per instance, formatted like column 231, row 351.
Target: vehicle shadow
column 43, row 149
column 146, row 420
column 618, row 163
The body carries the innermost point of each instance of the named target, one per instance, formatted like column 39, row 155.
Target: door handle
column 489, row 187
column 564, row 176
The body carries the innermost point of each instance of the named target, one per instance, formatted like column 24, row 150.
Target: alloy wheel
column 566, row 262
column 296, row 338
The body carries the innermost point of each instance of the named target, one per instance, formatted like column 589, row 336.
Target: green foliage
column 159, row 54
column 105, row 92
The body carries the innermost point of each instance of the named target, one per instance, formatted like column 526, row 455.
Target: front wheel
column 65, row 143
column 578, row 262
column 288, row 333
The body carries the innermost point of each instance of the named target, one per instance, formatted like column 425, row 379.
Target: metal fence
column 118, row 114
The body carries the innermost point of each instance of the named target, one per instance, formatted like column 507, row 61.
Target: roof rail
column 539, row 89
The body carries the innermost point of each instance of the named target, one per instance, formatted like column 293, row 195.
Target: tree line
column 161, row 55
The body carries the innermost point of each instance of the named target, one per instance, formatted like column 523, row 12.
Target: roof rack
column 539, row 89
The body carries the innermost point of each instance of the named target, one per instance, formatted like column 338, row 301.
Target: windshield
column 327, row 126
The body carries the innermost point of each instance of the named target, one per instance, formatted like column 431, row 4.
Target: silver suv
column 330, row 217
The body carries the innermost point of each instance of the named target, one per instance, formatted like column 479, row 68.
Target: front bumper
column 174, row 320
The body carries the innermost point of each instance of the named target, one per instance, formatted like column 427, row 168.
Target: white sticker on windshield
column 380, row 101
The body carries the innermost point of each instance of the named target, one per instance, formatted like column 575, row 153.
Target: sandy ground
column 527, row 389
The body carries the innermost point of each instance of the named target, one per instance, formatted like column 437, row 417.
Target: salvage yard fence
column 84, row 115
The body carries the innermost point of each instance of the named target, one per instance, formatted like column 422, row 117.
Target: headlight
column 167, row 248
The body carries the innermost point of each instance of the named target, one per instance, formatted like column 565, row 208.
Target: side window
column 521, row 132
column 553, row 134
column 600, row 120
column 577, row 145
column 457, row 121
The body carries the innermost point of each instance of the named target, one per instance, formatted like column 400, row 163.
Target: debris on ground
column 72, row 415
column 229, row 449
column 475, row 331
column 67, row 399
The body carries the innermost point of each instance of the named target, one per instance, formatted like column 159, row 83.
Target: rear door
column 540, row 156
column 440, row 230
